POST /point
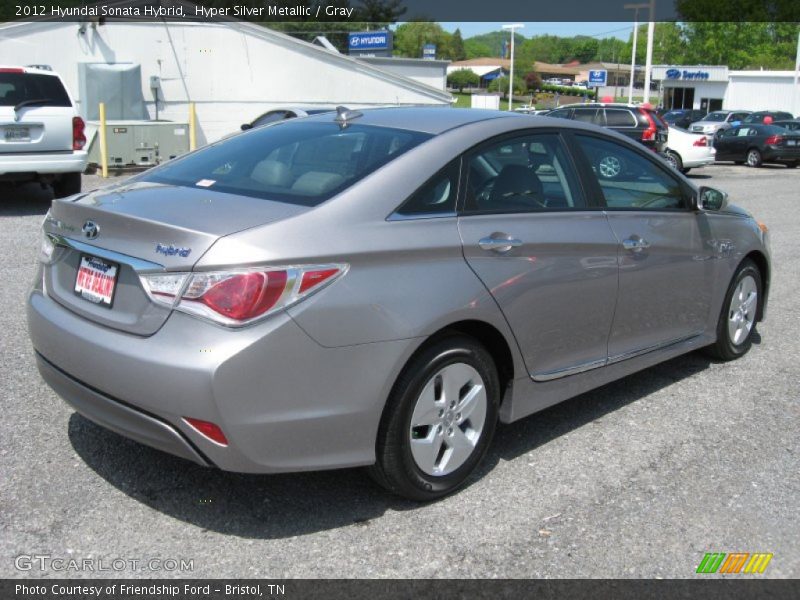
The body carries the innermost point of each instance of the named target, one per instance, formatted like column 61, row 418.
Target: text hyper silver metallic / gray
column 380, row 288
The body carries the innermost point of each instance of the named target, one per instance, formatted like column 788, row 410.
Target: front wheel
column 737, row 321
column 753, row 158
column 439, row 420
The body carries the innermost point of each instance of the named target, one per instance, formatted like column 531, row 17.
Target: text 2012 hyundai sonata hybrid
column 380, row 288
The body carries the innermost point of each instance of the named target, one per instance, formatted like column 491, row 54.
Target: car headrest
column 316, row 183
column 515, row 180
column 272, row 173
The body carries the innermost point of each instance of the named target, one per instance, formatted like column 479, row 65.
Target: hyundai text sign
column 598, row 78
column 377, row 43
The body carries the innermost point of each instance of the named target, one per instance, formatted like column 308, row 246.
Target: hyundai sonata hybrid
column 380, row 288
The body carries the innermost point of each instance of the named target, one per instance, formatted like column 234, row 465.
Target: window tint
column 616, row 117
column 523, row 174
column 561, row 113
column 295, row 162
column 629, row 180
column 18, row 87
column 437, row 196
column 586, row 115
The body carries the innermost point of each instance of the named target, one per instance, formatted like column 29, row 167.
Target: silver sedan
column 381, row 288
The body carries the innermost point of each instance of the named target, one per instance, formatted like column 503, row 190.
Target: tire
column 67, row 185
column 737, row 322
column 754, row 158
column 431, row 467
column 685, row 170
column 674, row 160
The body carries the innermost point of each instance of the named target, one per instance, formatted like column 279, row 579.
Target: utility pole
column 512, row 29
column 635, row 8
column 648, row 65
column 795, row 107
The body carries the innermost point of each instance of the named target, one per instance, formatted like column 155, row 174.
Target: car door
column 547, row 257
column 665, row 271
column 728, row 144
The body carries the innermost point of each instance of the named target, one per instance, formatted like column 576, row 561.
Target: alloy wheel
column 742, row 310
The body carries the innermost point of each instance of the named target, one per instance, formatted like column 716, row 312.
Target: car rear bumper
column 781, row 154
column 117, row 416
column 284, row 402
column 73, row 161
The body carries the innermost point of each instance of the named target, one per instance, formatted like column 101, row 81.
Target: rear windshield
column 293, row 161
column 673, row 114
column 19, row 87
column 716, row 116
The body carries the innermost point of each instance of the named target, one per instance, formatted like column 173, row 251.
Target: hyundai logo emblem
column 90, row 229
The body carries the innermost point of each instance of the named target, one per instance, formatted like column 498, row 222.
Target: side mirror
column 246, row 126
column 711, row 199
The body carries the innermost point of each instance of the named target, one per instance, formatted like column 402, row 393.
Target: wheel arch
column 763, row 267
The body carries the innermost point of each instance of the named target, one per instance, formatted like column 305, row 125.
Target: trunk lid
column 143, row 227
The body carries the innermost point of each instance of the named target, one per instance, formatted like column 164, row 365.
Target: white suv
column 41, row 135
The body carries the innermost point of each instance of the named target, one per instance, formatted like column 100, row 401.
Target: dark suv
column 637, row 122
column 758, row 117
column 683, row 117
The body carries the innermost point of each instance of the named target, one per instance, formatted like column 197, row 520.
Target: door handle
column 499, row 244
column 635, row 244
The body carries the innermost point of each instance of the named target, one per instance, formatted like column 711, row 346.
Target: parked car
column 283, row 113
column 793, row 125
column 636, row 122
column 379, row 288
column 41, row 135
column 759, row 144
column 758, row 117
column 719, row 120
column 683, row 117
column 686, row 150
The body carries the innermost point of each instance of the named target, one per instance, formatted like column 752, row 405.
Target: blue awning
column 492, row 75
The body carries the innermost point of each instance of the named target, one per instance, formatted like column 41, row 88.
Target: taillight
column 774, row 140
column 78, row 135
column 209, row 430
column 649, row 134
column 701, row 141
column 236, row 298
column 11, row 70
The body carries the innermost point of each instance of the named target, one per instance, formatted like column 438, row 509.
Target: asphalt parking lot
column 637, row 479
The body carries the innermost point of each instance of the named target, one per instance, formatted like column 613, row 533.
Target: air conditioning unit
column 138, row 143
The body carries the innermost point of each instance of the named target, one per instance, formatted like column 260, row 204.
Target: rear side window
column 587, row 115
column 628, row 180
column 617, row 117
column 294, row 162
column 436, row 197
column 47, row 90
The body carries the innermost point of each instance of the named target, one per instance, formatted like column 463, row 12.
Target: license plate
column 791, row 142
column 96, row 280
column 17, row 134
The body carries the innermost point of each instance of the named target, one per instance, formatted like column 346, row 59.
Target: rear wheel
column 737, row 321
column 67, row 185
column 439, row 420
column 753, row 158
column 674, row 160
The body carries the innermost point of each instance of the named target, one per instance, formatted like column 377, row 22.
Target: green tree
column 409, row 38
column 476, row 49
column 501, row 85
column 463, row 78
column 457, row 50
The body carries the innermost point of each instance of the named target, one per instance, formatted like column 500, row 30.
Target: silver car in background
column 381, row 288
column 718, row 121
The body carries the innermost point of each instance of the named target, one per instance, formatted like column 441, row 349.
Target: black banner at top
column 391, row 11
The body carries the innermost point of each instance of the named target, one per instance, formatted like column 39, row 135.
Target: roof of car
column 433, row 120
column 34, row 69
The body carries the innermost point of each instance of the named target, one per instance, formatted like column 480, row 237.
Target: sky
column 601, row 30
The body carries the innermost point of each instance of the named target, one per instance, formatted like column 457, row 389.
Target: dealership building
column 715, row 87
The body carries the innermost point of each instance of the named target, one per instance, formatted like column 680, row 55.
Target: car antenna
column 344, row 115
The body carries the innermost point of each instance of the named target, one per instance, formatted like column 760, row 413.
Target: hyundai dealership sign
column 373, row 43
